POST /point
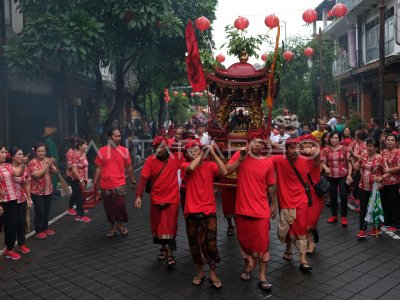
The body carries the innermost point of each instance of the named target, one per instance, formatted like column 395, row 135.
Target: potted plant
column 242, row 46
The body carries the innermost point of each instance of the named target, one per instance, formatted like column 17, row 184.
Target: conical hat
column 48, row 130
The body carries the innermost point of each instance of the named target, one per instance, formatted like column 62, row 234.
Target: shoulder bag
column 322, row 187
column 304, row 184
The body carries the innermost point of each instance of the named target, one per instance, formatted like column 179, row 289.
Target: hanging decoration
column 202, row 23
column 184, row 95
column 288, row 55
column 339, row 10
column 192, row 94
column 220, row 58
column 264, row 57
column 310, row 16
column 241, row 23
column 271, row 21
column 330, row 99
column 309, row 52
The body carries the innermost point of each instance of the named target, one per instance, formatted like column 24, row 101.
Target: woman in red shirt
column 23, row 194
column 338, row 169
column 162, row 169
column 372, row 168
column 390, row 194
column 69, row 156
column 79, row 173
column 200, row 209
column 8, row 201
column 40, row 169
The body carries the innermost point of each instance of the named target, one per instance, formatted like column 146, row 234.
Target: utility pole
column 381, row 96
column 321, row 92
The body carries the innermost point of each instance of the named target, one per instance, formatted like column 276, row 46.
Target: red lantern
column 330, row 14
column 220, row 58
column 310, row 16
column 339, row 10
column 167, row 99
column 288, row 55
column 241, row 23
column 176, row 93
column 264, row 57
column 309, row 51
column 201, row 94
column 191, row 94
column 183, row 94
column 202, row 23
column 271, row 21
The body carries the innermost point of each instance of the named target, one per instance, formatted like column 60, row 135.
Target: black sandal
column 171, row 261
column 230, row 231
column 198, row 280
column 163, row 254
column 305, row 268
column 264, row 285
column 245, row 276
column 123, row 230
column 287, row 256
column 216, row 284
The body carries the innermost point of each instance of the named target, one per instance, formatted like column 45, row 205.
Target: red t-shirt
column 112, row 162
column 254, row 176
column 200, row 188
column 291, row 193
column 165, row 189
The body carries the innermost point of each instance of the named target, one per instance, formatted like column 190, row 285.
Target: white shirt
column 277, row 138
column 204, row 140
column 332, row 122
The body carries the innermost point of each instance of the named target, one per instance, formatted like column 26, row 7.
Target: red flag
column 193, row 64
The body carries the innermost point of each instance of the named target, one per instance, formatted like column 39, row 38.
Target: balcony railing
column 341, row 64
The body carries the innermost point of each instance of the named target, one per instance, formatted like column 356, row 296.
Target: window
column 7, row 11
column 372, row 36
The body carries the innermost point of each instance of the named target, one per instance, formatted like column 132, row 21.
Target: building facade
column 356, row 67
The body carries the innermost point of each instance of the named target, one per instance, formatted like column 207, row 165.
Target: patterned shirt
column 8, row 191
column 81, row 163
column 70, row 161
column 392, row 160
column 20, row 186
column 357, row 148
column 336, row 161
column 369, row 169
column 42, row 185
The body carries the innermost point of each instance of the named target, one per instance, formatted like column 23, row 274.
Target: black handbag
column 306, row 186
column 150, row 183
column 322, row 187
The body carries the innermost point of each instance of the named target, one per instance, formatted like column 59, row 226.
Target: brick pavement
column 79, row 262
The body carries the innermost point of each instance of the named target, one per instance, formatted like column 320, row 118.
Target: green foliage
column 238, row 41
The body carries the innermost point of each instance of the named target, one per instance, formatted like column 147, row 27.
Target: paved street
column 79, row 262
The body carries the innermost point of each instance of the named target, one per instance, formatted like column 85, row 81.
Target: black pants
column 391, row 205
column 42, row 205
column 341, row 184
column 356, row 181
column 72, row 198
column 10, row 218
column 21, row 212
column 182, row 194
column 77, row 194
column 363, row 196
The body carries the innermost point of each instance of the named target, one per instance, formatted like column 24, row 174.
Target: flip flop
column 305, row 268
column 198, row 280
column 216, row 284
column 245, row 276
column 110, row 233
column 163, row 254
column 123, row 230
column 287, row 256
column 230, row 231
column 171, row 261
column 264, row 285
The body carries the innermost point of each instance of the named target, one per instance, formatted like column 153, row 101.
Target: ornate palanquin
column 235, row 101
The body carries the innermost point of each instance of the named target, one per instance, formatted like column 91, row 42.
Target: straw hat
column 48, row 130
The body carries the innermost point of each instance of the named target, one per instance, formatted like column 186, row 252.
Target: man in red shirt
column 255, row 178
column 111, row 162
column 161, row 169
column 200, row 209
column 293, row 201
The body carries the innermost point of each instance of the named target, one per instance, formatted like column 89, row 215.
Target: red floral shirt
column 42, row 185
column 81, row 163
column 336, row 161
column 8, row 191
column 19, row 184
column 392, row 160
column 357, row 148
column 70, row 157
column 369, row 169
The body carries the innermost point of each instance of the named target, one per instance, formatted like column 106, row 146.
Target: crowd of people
column 182, row 171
